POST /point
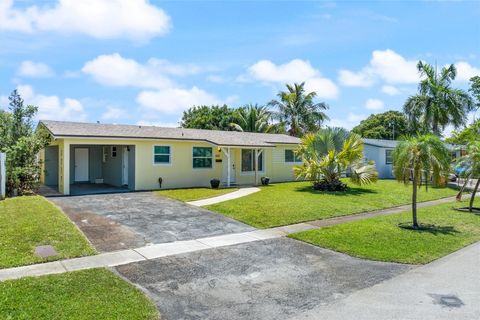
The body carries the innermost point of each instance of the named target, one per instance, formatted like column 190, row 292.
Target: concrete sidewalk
column 448, row 288
column 242, row 192
column 117, row 258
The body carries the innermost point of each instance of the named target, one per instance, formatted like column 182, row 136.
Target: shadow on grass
column 430, row 228
column 351, row 191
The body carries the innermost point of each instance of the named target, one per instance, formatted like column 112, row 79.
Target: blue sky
column 145, row 62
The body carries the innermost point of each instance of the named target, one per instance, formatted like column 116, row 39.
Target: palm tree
column 328, row 154
column 254, row 118
column 298, row 110
column 437, row 104
column 418, row 159
column 471, row 162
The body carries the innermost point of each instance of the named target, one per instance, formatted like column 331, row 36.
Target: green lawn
column 293, row 202
column 381, row 238
column 27, row 222
column 87, row 294
column 192, row 194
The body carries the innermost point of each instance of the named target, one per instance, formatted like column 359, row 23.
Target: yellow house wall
column 180, row 172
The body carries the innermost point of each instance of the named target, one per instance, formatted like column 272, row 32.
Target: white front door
column 232, row 167
column 81, row 164
column 125, row 166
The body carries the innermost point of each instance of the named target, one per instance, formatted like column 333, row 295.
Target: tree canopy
column 21, row 144
column 208, row 117
column 437, row 104
column 298, row 110
column 255, row 118
column 388, row 125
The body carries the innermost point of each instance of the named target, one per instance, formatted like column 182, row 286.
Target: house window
column 388, row 157
column 248, row 160
column 291, row 157
column 161, row 154
column 114, row 152
column 202, row 157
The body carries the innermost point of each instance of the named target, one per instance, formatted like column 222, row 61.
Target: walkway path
column 122, row 257
column 229, row 196
column 448, row 288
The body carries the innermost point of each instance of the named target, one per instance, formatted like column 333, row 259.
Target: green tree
column 471, row 132
column 475, row 90
column 254, row 118
column 420, row 159
column 208, row 117
column 437, row 104
column 471, row 162
column 387, row 125
column 21, row 145
column 298, row 110
column 330, row 152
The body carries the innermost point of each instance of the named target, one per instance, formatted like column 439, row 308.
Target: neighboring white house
column 380, row 151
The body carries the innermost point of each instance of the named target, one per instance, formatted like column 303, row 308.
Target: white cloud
column 386, row 65
column 294, row 71
column 374, row 104
column 350, row 121
column 174, row 100
column 390, row 90
column 115, row 70
column 52, row 107
column 215, row 78
column 34, row 69
column 133, row 19
column 465, row 71
column 113, row 113
column 354, row 79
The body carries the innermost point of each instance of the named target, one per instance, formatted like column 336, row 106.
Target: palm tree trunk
column 459, row 195
column 470, row 207
column 414, row 203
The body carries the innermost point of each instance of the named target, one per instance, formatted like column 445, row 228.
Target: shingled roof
column 65, row 129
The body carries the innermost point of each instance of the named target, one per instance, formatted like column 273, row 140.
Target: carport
column 92, row 168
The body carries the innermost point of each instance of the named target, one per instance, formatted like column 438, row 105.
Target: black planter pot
column 214, row 183
column 265, row 180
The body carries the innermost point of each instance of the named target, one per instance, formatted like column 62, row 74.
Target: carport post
column 3, row 175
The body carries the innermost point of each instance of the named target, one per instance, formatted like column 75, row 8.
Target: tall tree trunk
column 459, row 195
column 470, row 207
column 414, row 202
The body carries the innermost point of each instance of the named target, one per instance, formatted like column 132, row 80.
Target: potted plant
column 265, row 180
column 160, row 180
column 215, row 183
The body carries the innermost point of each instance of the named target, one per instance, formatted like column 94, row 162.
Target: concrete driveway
column 270, row 279
column 130, row 220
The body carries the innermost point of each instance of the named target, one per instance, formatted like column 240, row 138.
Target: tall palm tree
column 298, row 111
column 437, row 104
column 420, row 158
column 254, row 118
column 471, row 162
column 327, row 154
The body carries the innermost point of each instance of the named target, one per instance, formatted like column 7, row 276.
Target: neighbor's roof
column 64, row 129
column 381, row 143
column 393, row 143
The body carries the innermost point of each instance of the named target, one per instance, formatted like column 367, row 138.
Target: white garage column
column 66, row 168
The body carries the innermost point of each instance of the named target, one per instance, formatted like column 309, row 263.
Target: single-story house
column 380, row 151
column 134, row 157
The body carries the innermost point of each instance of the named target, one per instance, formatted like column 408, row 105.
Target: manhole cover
column 447, row 300
column 45, row 251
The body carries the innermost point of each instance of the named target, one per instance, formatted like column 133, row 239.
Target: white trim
column 169, row 163
column 125, row 164
column 212, row 157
